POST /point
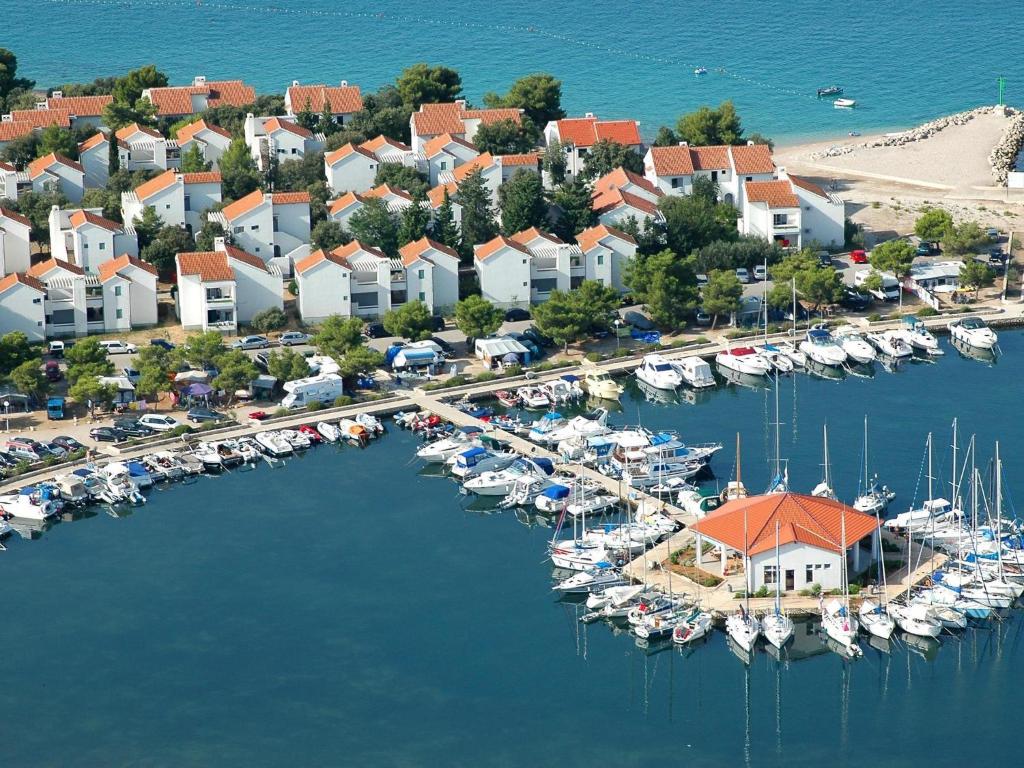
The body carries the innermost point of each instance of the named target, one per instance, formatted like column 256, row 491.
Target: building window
column 254, row 228
column 444, row 165
column 770, row 574
column 421, row 273
column 120, row 314
column 809, row 574
column 117, row 290
column 780, row 219
column 188, row 202
column 103, row 246
column 422, row 296
column 37, row 300
column 714, row 175
column 275, row 223
column 295, row 151
column 238, row 230
column 167, row 207
column 675, row 183
column 750, row 178
column 600, row 259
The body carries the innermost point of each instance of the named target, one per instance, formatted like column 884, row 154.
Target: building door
column 790, row 580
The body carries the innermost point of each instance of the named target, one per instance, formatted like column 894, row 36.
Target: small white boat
column 916, row 619
column 596, row 504
column 700, row 70
column 373, row 425
column 973, row 332
column 614, row 595
column 840, row 625
column 854, row 344
column 875, row 500
column 602, row 576
column 28, row 506
column 890, row 344
column 119, row 482
column 297, row 440
column 820, row 347
column 780, row 361
column 591, row 424
column 246, row 447
column 353, row 432
column 272, row 444
column 695, row 372
column 844, row 103
column 658, row 372
column 875, row 620
column 533, row 398
column 328, row 431
column 692, row 628
column 72, row 489
column 543, row 429
column 440, row 451
column 501, row 483
column 743, row 628
column 917, row 335
column 168, row 463
column 600, row 384
column 777, row 628
column 192, row 465
column 206, row 453
column 789, row 350
column 745, row 360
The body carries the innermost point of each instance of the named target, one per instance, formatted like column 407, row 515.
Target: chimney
column 199, row 80
column 57, row 95
column 750, row 143
column 590, row 116
column 461, row 103
column 684, row 143
column 295, row 83
column 344, row 83
column 218, row 244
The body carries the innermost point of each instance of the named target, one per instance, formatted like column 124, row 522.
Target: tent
column 198, row 389
column 190, row 376
column 410, row 357
column 498, row 348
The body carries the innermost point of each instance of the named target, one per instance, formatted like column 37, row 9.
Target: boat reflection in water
column 925, row 647
column 987, row 356
column 655, row 395
column 828, row 372
column 745, row 380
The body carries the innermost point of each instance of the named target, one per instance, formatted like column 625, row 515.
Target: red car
column 859, row 256
column 311, row 433
column 259, row 415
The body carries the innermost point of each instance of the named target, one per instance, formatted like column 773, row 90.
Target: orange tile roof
column 410, row 252
column 10, row 130
column 613, row 198
column 620, row 177
column 289, row 198
column 42, row 118
column 243, row 205
column 386, row 189
column 45, row 267
column 210, row 266
column 484, row 251
column 436, row 194
column 41, row 164
column 526, row 236
column 188, row 132
column 672, row 161
column 435, row 119
column 7, row 213
column 349, row 198
column 111, row 267
column 246, row 258
column 280, row 124
column 80, row 217
column 802, row 519
column 230, row 92
column 92, row 142
column 343, row 99
column 201, row 177
column 350, row 249
column 529, row 158
column 808, row 186
column 173, row 100
column 480, row 162
column 318, row 256
column 81, row 106
column 177, row 99
column 17, row 277
column 777, row 194
column 130, row 130
column 438, row 143
column 348, row 149
column 625, row 132
column 156, row 184
column 491, row 116
column 591, row 236
column 379, row 142
column 752, row 158
column 587, row 131
column 710, row 158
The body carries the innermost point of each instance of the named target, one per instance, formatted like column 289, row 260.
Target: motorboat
column 915, row 333
column 168, row 463
column 593, row 505
column 507, row 398
column 353, row 432
column 500, row 483
column 526, row 490
column 790, row 350
column 477, row 460
column 700, row 70
column 542, row 430
column 625, row 593
column 440, row 451
column 854, row 344
column 875, row 619
column 139, row 475
column 533, row 398
column 28, row 506
column 586, row 425
column 695, row 372
column 246, row 447
column 745, row 360
column 564, row 389
column 890, row 344
column 651, row 473
column 272, row 444
column 118, row 479
column 777, row 628
column 191, row 464
column 780, row 361
column 973, row 332
column 73, row 489
column 931, row 513
column 820, row 347
column 915, row 619
column 693, row 627
column 94, row 484
column 698, row 502
column 296, row 439
column 330, row 432
column 844, row 103
column 875, row 499
column 211, row 458
column 600, row 384
column 658, row 372
column 829, row 90
column 230, row 455
column 839, row 624
column 574, row 557
column 743, row 628
column 373, row 426
column 601, row 576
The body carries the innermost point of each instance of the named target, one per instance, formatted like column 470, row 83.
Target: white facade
column 276, row 140
column 21, row 306
column 268, row 225
column 94, row 157
column 8, row 181
column 578, row 135
column 431, row 274
column 324, row 282
column 792, row 212
column 84, row 238
column 212, row 140
column 179, row 199
column 58, row 173
column 15, row 245
column 607, row 252
column 823, row 216
column 443, row 154
column 525, row 268
column 148, row 150
column 129, row 293
column 350, row 169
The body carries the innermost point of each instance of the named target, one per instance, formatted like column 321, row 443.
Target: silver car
column 294, row 337
column 251, row 342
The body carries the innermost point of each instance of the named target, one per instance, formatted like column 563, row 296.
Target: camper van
column 325, row 388
column 890, row 290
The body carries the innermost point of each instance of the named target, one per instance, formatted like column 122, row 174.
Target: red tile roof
column 591, row 236
column 280, row 124
column 78, row 218
column 490, row 116
column 587, row 131
column 480, row 162
column 620, row 177
column 484, row 251
column 42, row 118
column 15, row 129
column 130, row 130
column 111, row 267
column 6, row 166
column 318, row 256
column 230, row 92
column 351, row 249
column 177, row 100
column 802, row 519
column 210, row 266
column 375, row 144
column 246, row 258
column 343, row 99
column 92, row 142
column 45, row 267
column 289, row 198
column 435, row 119
column 156, row 184
column 777, row 194
column 527, row 236
column 808, row 186
column 410, row 252
column 710, row 158
column 348, row 149
column 436, row 194
column 752, row 158
column 529, row 158
column 201, row 177
column 243, row 205
column 672, row 161
column 613, row 198
column 18, row 277
column 386, row 189
column 7, row 213
column 343, row 202
column 438, row 143
column 81, row 106
column 41, row 164
column 188, row 132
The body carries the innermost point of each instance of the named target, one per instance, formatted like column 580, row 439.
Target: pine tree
column 522, row 203
column 306, row 118
column 192, row 160
column 478, row 225
column 444, row 229
column 113, row 155
column 326, row 125
column 415, row 221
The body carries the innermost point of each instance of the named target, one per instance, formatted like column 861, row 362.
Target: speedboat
column 854, row 344
column 586, row 425
column 328, row 431
column 593, row 505
column 695, row 372
column 544, row 428
column 229, row 454
column 839, row 625
column 780, row 361
column 696, row 502
column 916, row 619
column 564, row 389
column 500, row 483
column 700, row 70
column 167, row 463
column 118, row 479
column 72, row 489
column 875, row 620
column 777, row 628
column 526, row 490
column 191, row 464
column 890, row 344
column 651, row 473
column 829, row 90
column 354, row 432
column 601, row 576
column 297, row 440
column 658, row 372
column 441, row 450
column 789, row 350
column 272, row 444
column 844, row 103
column 211, row 458
column 626, row 593
column 246, row 447
column 973, row 332
column 139, row 475
column 820, row 347
column 533, row 398
column 692, row 628
column 29, row 506
column 743, row 628
column 477, row 460
column 745, row 360
column 600, row 384
column 917, row 335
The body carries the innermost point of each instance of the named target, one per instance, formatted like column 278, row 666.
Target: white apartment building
column 354, row 167
column 269, row 225
column 673, row 169
column 84, row 238
column 342, row 101
column 56, row 172
column 276, row 140
column 453, row 118
column 15, row 243
column 792, row 212
column 578, row 135
column 212, row 140
column 21, row 306
column 179, row 199
column 148, row 150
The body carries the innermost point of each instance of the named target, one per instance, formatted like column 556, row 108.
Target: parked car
column 7, row 461
column 859, row 256
column 294, row 337
column 261, row 361
column 544, row 342
column 702, row 280
column 638, row 320
column 855, row 300
column 993, row 234
column 107, row 434
column 69, row 444
column 56, row 450
column 251, row 342
column 446, row 349
column 197, row 415
column 702, row 318
column 761, row 272
column 118, row 347
column 25, row 449
column 131, row 374
column 56, row 348
column 158, row 422
column 437, row 323
column 516, row 315
column 924, row 249
column 133, row 428
column 824, row 259
column 53, row 371
column 162, row 343
column 375, row 331
column 743, row 275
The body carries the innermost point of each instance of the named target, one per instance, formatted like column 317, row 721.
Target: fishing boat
column 820, row 347
column 890, row 344
column 695, row 372
column 600, row 384
column 272, row 444
column 854, row 344
column 973, row 332
column 915, row 333
column 440, row 451
column 844, row 103
column 330, row 432
column 658, row 372
column 829, row 90
column 533, row 398
column 744, row 360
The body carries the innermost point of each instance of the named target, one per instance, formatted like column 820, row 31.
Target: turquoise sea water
column 349, row 609
column 904, row 63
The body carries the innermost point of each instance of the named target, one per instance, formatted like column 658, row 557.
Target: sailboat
column 824, row 488
column 875, row 619
column 742, row 626
column 735, row 488
column 836, row 619
column 777, row 626
column 874, row 499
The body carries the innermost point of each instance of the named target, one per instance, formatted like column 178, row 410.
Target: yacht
column 600, row 384
column 440, row 451
column 28, row 506
column 297, row 440
column 601, row 576
column 777, row 628
column 839, row 624
column 890, row 344
column 743, row 628
column 914, row 332
column 746, row 360
column 820, row 347
column 854, row 344
column 695, row 372
column 875, row 499
column 500, row 483
column 973, row 332
column 789, row 350
column 272, row 444
column 543, row 429
column 658, row 372
column 692, row 628
column 591, row 424
column 477, row 460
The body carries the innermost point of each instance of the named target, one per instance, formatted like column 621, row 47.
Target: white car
column 118, row 347
column 158, row 423
column 760, row 273
column 294, row 337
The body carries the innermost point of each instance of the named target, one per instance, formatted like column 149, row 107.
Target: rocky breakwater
column 1003, row 157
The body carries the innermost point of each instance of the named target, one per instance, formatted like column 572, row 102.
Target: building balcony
column 220, row 301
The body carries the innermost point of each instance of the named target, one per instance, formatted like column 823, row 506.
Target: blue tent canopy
column 556, row 492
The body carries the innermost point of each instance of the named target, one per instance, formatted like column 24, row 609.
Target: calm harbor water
column 769, row 58
column 349, row 609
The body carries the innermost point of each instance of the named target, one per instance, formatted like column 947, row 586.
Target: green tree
column 89, row 390
column 401, row 177
column 202, row 350
column 373, row 224
column 562, row 318
column 522, row 204
column 975, row 275
column 359, row 360
column 553, row 161
column 155, row 372
column 576, row 211
column 207, row 235
column 539, row 96
column 693, row 221
column 21, row 151
column 893, row 256
column 192, row 160
column 118, row 114
column 747, row 251
column 414, row 221
column 722, row 294
column 236, row 371
column 9, row 80
column 326, row 124
column 411, row 321
column 319, row 194
column 873, row 282
column 128, row 89
column 338, row 335
column 605, row 156
column 108, row 200
column 328, row 235
column 933, row 225
column 29, row 379
column 666, row 137
column 666, row 284
column 967, row 238
column 287, row 365
column 757, row 138
column 148, row 226
column 59, row 140
column 15, row 350
column 36, row 206
column 476, row 317
column 505, row 137
column 238, row 172
column 87, row 357
column 168, row 243
column 710, row 127
column 305, row 116
column 424, row 84
column 597, row 302
column 784, row 276
column 297, row 175
column 820, row 286
column 269, row 319
column 444, row 229
column 478, row 225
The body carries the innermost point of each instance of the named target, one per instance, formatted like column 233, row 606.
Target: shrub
column 874, row 317
column 740, row 595
column 280, row 412
column 594, row 357
column 270, row 319
column 855, row 589
column 701, row 340
column 485, row 376
column 293, row 288
column 815, row 590
column 316, row 405
column 342, row 400
column 514, row 370
column 804, row 593
column 927, row 312
column 181, row 429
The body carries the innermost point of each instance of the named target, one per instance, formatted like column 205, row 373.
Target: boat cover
column 556, row 492
column 546, row 464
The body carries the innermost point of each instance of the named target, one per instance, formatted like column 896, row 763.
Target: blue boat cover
column 556, row 492
column 82, row 472
column 551, row 416
column 570, row 378
column 136, row 469
column 470, row 430
column 473, row 453
column 818, row 333
column 546, row 464
column 661, row 438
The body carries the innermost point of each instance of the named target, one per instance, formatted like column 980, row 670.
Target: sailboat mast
column 778, row 460
column 867, row 482
column 778, row 572
column 999, row 511
column 929, row 471
column 739, row 477
column 828, row 480
column 954, row 465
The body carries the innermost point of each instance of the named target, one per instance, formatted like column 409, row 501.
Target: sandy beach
column 887, row 186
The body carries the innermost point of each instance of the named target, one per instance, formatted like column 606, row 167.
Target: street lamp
column 7, row 418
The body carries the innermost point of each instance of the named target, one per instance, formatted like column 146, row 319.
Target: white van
column 325, row 388
column 890, row 290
